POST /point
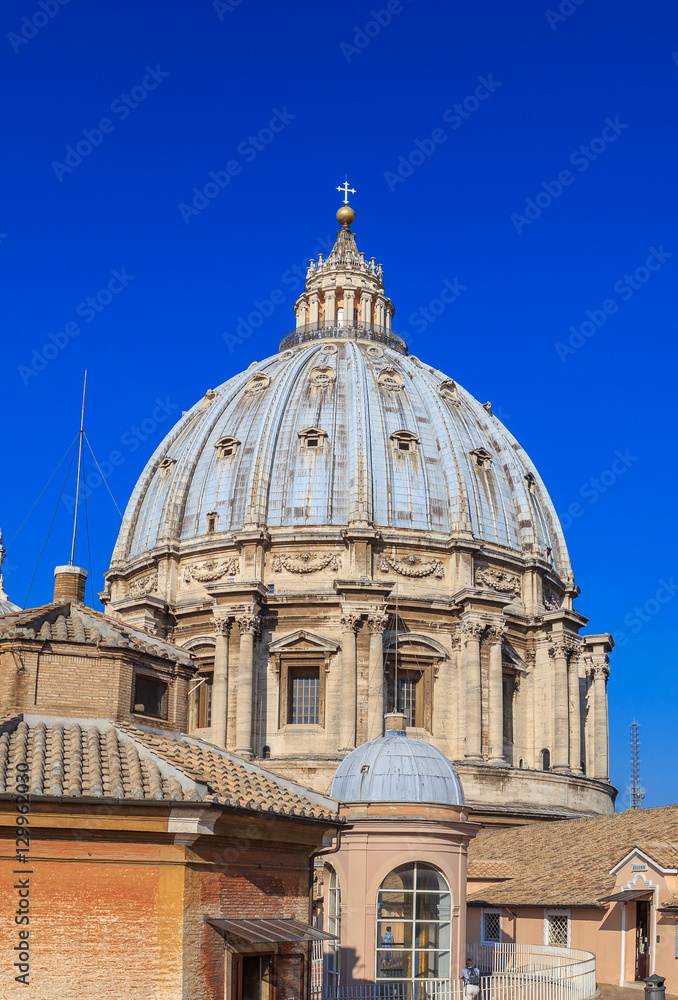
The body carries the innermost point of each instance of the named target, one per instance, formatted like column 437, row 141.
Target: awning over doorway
column 262, row 931
column 626, row 895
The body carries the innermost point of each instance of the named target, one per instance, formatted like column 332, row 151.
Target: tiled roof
column 665, row 853
column 68, row 621
column 488, row 869
column 567, row 862
column 93, row 757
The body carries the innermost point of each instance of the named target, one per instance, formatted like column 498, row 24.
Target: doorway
column 252, row 977
column 642, row 939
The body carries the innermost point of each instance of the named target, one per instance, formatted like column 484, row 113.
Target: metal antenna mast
column 77, row 485
column 636, row 791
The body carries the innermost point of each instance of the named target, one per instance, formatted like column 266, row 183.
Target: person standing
column 471, row 977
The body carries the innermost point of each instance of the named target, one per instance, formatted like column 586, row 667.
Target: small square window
column 491, row 926
column 150, row 696
column 557, row 929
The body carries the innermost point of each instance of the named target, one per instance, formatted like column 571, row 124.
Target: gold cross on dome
column 346, row 191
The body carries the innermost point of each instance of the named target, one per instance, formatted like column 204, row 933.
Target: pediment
column 405, row 639
column 303, row 640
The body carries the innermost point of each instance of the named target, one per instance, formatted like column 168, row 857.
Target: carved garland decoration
column 497, row 579
column 305, row 562
column 211, row 569
column 412, row 566
column 144, row 584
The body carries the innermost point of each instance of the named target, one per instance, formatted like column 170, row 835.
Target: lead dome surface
column 397, row 768
column 463, row 475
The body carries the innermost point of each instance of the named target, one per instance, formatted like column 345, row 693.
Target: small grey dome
column 397, row 768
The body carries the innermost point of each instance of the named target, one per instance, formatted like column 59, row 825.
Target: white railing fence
column 507, row 972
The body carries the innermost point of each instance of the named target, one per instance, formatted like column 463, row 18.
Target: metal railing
column 353, row 331
column 507, row 972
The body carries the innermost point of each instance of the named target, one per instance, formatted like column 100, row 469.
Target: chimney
column 69, row 583
column 394, row 722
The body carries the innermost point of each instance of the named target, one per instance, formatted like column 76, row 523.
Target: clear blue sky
column 542, row 196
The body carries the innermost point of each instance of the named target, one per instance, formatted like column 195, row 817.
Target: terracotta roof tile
column 567, row 862
column 68, row 621
column 664, row 853
column 68, row 757
column 488, row 869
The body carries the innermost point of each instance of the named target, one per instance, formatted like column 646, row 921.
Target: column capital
column 249, row 622
column 473, row 629
column 377, row 622
column 350, row 621
column 567, row 646
column 600, row 670
column 221, row 626
column 496, row 631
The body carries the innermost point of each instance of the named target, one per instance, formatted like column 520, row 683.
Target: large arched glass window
column 333, row 952
column 413, row 924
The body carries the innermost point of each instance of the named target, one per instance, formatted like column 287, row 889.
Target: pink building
column 394, row 884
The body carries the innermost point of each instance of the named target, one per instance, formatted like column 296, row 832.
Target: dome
column 397, row 768
column 342, row 432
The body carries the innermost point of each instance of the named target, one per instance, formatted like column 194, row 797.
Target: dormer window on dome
column 404, row 441
column 258, row 383
column 482, row 458
column 531, row 482
column 166, row 467
column 212, row 522
column 448, row 391
column 312, row 438
column 226, row 446
column 390, row 380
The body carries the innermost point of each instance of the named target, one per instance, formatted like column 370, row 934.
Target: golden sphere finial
column 345, row 215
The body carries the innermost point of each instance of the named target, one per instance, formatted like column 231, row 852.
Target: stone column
column 472, row 633
column 330, row 315
column 249, row 623
column 560, row 756
column 495, row 635
column 313, row 310
column 600, row 734
column 376, row 623
column 347, row 711
column 366, row 308
column 222, row 628
column 575, row 715
column 349, row 297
